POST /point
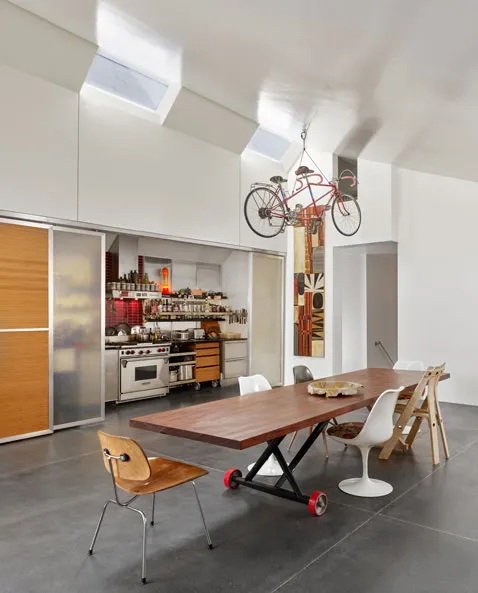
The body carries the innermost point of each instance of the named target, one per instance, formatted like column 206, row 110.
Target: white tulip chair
column 254, row 384
column 377, row 429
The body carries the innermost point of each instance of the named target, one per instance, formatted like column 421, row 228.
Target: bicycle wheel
column 264, row 212
column 346, row 214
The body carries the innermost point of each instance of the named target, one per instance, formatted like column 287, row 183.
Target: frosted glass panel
column 78, row 333
column 266, row 319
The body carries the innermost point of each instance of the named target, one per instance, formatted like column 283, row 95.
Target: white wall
column 350, row 304
column 382, row 295
column 38, row 146
column 437, row 280
column 139, row 175
column 100, row 160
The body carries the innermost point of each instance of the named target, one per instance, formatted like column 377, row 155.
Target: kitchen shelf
column 133, row 294
column 187, row 362
column 200, row 317
column 141, row 294
column 192, row 313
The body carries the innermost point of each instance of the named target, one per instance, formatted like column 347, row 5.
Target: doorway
column 365, row 306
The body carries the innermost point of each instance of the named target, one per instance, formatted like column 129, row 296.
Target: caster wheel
column 229, row 478
column 216, row 383
column 318, row 503
column 197, row 386
column 152, row 523
column 210, row 546
column 90, row 552
column 144, row 581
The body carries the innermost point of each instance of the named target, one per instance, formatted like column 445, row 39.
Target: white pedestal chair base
column 270, row 468
column 365, row 487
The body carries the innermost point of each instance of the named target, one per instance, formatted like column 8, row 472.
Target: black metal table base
column 295, row 494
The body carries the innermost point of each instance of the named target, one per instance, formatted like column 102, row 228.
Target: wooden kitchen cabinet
column 208, row 362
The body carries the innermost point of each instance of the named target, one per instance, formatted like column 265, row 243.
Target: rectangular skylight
column 268, row 144
column 115, row 78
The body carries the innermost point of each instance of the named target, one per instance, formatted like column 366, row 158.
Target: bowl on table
column 333, row 388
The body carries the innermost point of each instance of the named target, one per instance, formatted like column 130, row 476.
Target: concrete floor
column 421, row 538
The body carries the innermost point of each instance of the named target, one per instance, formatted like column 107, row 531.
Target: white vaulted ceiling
column 390, row 80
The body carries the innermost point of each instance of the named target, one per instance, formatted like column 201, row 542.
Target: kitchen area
column 111, row 318
column 172, row 323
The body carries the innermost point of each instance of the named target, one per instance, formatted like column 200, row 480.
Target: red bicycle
column 267, row 208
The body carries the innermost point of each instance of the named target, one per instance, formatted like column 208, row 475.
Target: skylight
column 269, row 144
column 112, row 77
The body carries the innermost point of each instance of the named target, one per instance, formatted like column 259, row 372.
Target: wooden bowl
column 333, row 388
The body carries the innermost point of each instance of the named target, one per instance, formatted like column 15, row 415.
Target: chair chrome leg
column 100, row 521
column 145, row 524
column 152, row 514
column 208, row 537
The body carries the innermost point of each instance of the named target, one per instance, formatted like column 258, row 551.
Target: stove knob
column 159, row 349
column 140, row 352
column 148, row 351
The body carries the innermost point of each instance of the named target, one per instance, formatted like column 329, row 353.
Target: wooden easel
column 428, row 409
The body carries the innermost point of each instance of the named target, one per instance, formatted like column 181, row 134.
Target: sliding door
column 24, row 330
column 266, row 316
column 78, row 343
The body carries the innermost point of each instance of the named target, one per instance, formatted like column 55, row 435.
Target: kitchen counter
column 191, row 341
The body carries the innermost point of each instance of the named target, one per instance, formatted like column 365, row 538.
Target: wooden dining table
column 267, row 417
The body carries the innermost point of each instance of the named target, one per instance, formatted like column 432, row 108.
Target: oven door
column 144, row 374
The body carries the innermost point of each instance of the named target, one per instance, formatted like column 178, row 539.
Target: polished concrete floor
column 421, row 538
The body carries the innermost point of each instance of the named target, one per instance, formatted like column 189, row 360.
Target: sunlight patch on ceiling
column 268, row 144
column 124, row 82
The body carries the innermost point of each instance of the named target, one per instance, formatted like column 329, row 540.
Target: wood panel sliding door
column 24, row 330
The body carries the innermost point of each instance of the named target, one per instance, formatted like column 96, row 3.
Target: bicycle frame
column 306, row 184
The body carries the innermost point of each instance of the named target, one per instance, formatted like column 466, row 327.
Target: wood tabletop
column 247, row 420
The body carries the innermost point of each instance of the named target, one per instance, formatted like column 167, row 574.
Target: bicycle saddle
column 304, row 170
column 278, row 179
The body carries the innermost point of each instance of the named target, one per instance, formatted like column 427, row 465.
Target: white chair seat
column 377, row 429
column 254, row 384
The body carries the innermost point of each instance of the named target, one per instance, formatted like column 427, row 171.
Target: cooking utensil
column 124, row 327
column 111, row 331
column 199, row 334
column 180, row 335
column 173, row 376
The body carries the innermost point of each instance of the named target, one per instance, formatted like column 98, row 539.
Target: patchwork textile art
column 309, row 287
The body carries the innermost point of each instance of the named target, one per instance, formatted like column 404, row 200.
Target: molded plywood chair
column 421, row 404
column 408, row 365
column 139, row 475
column 254, row 384
column 302, row 374
column 377, row 428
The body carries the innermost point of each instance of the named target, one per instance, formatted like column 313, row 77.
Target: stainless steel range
column 144, row 371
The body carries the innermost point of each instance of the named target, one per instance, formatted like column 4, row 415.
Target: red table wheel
column 318, row 503
column 229, row 478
